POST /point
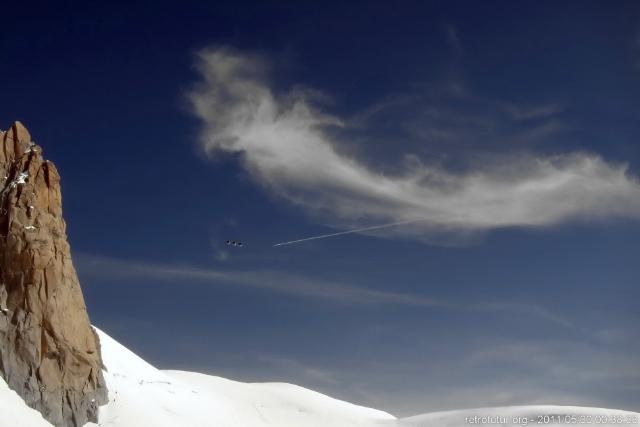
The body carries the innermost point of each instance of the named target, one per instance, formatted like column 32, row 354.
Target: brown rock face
column 49, row 354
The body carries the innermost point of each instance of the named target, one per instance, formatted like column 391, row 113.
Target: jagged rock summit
column 49, row 353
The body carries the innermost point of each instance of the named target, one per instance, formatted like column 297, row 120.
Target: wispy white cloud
column 495, row 373
column 453, row 38
column 536, row 112
column 636, row 50
column 514, row 371
column 304, row 286
column 286, row 367
column 268, row 280
column 564, row 361
column 219, row 254
column 289, row 147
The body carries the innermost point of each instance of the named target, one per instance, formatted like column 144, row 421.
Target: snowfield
column 516, row 416
column 141, row 395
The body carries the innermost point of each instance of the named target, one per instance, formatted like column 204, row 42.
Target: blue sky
column 507, row 132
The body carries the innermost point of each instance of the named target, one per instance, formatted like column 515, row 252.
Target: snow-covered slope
column 519, row 416
column 141, row 395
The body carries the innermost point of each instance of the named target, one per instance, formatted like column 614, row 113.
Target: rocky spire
column 49, row 353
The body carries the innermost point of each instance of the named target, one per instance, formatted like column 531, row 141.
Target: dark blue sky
column 520, row 286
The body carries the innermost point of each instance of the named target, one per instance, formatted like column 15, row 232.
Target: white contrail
column 375, row 227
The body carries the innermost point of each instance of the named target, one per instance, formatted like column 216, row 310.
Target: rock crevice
column 49, row 353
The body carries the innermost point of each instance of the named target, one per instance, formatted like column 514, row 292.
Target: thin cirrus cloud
column 267, row 280
column 303, row 286
column 290, row 146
